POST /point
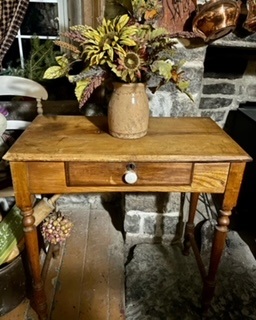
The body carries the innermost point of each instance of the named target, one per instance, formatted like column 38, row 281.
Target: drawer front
column 113, row 174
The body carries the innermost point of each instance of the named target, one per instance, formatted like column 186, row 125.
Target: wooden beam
column 93, row 10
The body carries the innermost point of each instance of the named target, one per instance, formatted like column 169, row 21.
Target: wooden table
column 74, row 154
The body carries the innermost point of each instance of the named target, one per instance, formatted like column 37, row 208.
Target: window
column 44, row 19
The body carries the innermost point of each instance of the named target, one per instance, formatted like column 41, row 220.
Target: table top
column 79, row 138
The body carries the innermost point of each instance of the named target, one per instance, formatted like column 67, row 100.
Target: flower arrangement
column 128, row 48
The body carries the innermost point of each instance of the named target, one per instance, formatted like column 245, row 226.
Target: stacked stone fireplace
column 222, row 76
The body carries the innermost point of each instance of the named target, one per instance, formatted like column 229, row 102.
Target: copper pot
column 250, row 21
column 216, row 19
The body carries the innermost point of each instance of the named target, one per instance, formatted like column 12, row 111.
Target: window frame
column 63, row 18
column 70, row 12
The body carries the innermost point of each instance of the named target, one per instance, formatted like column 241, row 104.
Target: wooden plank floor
column 86, row 280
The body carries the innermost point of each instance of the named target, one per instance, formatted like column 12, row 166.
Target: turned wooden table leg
column 24, row 201
column 32, row 247
column 189, row 229
column 217, row 249
column 221, row 229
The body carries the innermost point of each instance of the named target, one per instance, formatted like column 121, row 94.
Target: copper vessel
column 216, row 19
column 250, row 22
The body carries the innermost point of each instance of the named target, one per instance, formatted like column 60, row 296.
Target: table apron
column 75, row 177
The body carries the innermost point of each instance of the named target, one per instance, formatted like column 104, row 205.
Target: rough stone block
column 169, row 224
column 219, row 88
column 132, row 222
column 152, row 202
column 150, row 225
column 92, row 200
column 214, row 103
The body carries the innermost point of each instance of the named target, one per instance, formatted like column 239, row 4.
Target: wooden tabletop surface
column 79, row 138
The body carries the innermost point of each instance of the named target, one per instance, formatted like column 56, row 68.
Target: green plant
column 11, row 232
column 42, row 56
column 128, row 48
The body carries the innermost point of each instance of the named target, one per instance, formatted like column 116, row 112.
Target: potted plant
column 128, row 49
column 55, row 229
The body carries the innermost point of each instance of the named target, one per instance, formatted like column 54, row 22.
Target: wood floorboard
column 86, row 280
column 116, row 276
column 67, row 295
column 95, row 294
column 51, row 279
column 102, row 272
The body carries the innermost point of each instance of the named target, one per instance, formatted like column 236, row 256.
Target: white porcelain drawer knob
column 130, row 177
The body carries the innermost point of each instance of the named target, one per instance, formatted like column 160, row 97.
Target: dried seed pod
column 55, row 228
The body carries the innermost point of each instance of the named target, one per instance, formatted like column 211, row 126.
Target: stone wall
column 222, row 76
column 229, row 76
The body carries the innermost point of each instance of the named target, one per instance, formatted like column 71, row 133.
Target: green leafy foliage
column 163, row 68
column 42, row 56
column 59, row 71
column 11, row 232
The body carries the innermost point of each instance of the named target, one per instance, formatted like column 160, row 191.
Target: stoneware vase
column 128, row 111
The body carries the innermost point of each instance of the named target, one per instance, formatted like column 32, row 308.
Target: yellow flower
column 110, row 38
column 129, row 66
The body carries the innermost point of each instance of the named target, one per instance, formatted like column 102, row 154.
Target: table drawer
column 107, row 174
